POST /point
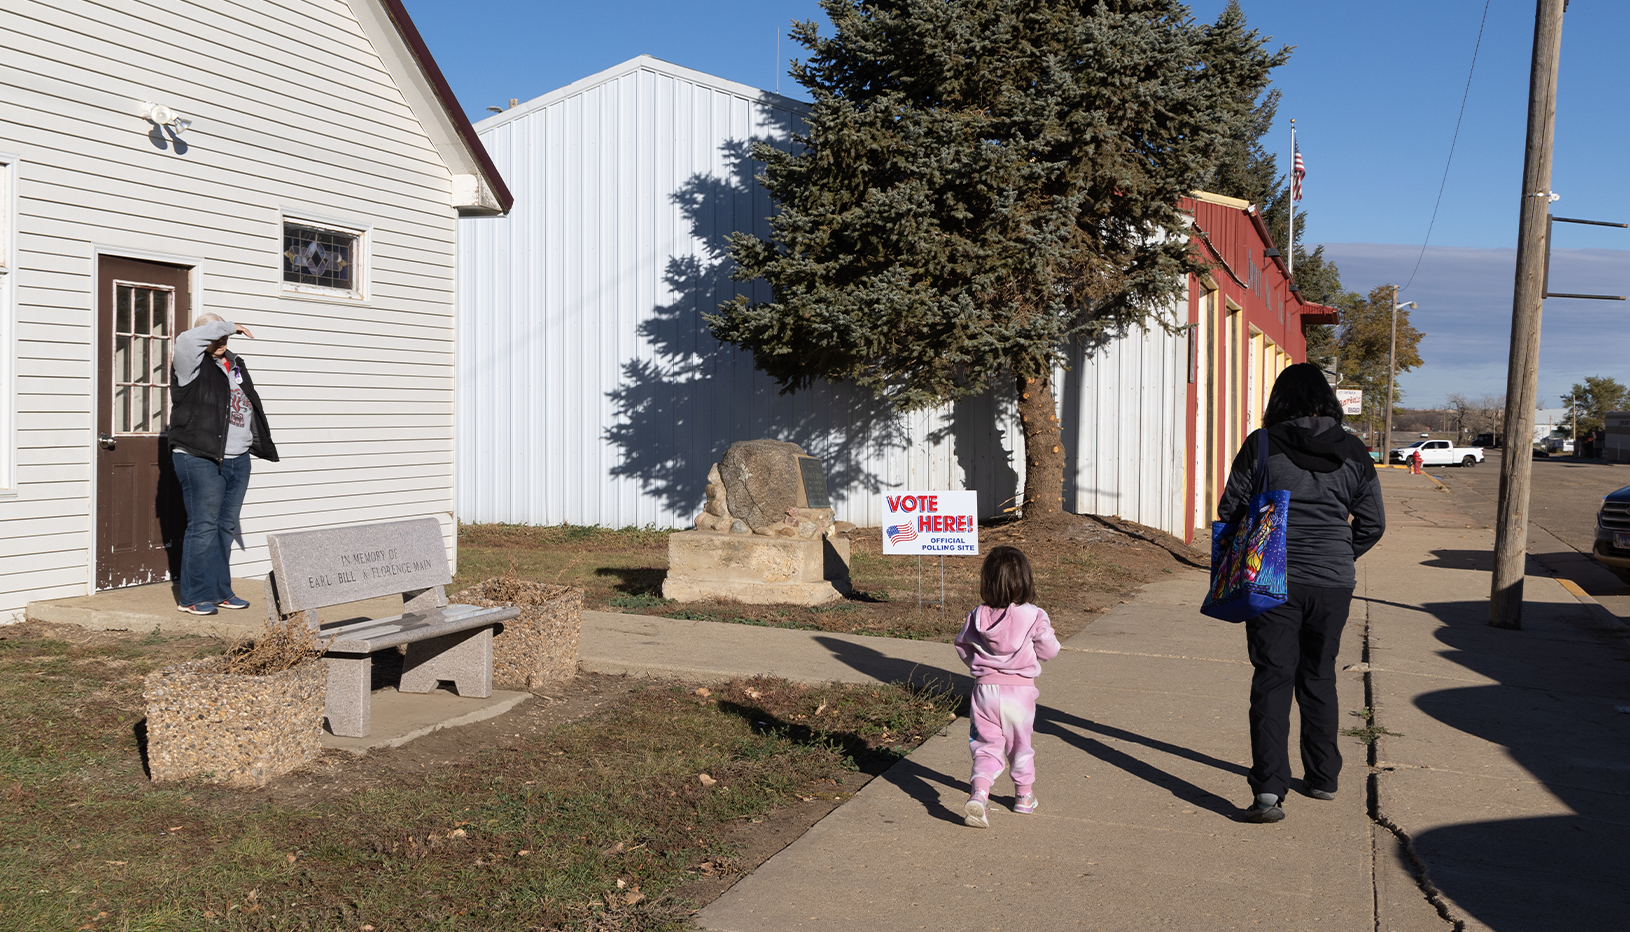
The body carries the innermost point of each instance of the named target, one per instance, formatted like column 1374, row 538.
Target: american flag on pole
column 1298, row 171
column 900, row 532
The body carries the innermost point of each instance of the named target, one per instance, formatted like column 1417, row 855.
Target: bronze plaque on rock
column 809, row 469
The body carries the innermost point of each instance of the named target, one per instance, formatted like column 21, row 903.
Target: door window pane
column 143, row 324
column 141, row 356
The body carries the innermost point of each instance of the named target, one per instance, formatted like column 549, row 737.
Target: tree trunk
column 1043, row 448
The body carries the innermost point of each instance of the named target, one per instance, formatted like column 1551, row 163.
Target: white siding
column 295, row 113
column 1123, row 415
column 590, row 389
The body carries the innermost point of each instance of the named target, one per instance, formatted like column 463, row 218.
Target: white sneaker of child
column 977, row 812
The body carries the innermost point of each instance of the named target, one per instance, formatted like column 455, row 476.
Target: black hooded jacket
column 1330, row 476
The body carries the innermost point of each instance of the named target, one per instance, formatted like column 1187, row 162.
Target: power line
column 1450, row 160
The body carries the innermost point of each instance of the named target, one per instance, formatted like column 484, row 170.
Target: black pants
column 1293, row 647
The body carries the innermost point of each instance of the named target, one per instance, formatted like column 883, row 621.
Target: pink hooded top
column 1006, row 646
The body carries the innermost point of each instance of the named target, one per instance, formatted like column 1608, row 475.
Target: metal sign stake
column 920, row 602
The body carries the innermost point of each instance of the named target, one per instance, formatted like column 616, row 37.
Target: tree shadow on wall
column 686, row 397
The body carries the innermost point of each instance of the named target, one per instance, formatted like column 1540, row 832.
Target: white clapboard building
column 592, row 393
column 296, row 166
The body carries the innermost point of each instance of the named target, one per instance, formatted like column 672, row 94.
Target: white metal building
column 297, row 167
column 592, row 393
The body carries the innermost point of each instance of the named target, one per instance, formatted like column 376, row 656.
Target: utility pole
column 1392, row 371
column 1528, row 299
column 1392, row 348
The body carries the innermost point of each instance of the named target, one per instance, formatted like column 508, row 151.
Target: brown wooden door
column 139, row 516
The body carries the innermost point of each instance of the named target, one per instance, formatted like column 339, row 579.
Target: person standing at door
column 216, row 424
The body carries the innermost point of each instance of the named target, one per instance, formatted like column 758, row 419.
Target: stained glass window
column 320, row 257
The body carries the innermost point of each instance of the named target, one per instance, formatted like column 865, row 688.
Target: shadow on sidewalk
column 886, row 669
column 1479, row 560
column 1068, row 727
column 922, row 784
column 1558, row 709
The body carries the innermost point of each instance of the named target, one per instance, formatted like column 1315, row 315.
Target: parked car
column 1486, row 441
column 1437, row 453
column 1613, row 529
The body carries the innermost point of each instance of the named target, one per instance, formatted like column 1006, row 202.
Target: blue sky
column 1375, row 88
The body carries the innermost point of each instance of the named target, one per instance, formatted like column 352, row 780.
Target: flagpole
column 1290, row 253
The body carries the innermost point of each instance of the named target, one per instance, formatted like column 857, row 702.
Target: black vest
column 199, row 411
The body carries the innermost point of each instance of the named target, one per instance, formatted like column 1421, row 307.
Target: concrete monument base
column 758, row 570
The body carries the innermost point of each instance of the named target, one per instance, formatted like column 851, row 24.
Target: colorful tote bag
column 1248, row 551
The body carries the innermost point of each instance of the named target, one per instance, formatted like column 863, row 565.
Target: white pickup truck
column 1437, row 453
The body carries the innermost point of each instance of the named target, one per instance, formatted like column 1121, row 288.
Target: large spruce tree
column 981, row 183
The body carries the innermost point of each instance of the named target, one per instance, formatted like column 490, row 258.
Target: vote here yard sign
column 931, row 523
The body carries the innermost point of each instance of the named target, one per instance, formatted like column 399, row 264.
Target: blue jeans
column 213, row 494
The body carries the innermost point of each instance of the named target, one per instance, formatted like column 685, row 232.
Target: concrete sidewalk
column 1504, row 783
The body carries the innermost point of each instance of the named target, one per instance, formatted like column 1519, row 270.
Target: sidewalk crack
column 1422, row 877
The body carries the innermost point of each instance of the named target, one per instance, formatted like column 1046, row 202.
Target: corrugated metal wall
column 1122, row 408
column 590, row 390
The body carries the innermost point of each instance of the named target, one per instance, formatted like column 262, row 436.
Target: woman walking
column 1330, row 477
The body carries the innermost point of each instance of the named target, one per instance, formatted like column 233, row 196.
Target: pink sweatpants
column 1000, row 725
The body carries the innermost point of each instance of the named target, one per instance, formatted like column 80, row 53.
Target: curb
column 1596, row 608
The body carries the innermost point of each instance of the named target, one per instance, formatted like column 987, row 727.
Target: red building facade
column 1247, row 322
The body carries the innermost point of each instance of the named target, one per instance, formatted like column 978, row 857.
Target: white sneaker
column 975, row 813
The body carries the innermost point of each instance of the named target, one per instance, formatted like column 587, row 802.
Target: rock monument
column 767, row 534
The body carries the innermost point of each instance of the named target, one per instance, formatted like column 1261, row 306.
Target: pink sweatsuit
column 1004, row 649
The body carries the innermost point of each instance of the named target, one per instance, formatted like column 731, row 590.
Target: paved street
column 1562, row 524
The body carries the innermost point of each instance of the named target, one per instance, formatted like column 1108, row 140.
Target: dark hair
column 1301, row 391
column 1005, row 578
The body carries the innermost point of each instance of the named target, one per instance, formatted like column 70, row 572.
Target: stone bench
column 334, row 566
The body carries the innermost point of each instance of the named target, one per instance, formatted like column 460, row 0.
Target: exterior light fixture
column 163, row 116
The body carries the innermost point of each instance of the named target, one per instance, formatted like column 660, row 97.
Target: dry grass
column 282, row 645
column 1083, row 564
column 602, row 823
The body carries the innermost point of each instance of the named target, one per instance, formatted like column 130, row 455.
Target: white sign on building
column 1352, row 400
column 931, row 523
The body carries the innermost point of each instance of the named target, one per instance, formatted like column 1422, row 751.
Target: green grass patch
column 1371, row 731
column 636, row 601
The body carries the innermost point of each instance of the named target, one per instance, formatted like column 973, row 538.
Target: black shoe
column 1326, row 795
column 1265, row 809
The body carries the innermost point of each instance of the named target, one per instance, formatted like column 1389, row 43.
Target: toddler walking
column 1004, row 642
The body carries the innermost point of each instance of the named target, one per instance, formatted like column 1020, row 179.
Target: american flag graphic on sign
column 1298, row 171
column 901, row 532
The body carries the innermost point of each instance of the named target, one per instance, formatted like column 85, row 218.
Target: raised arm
column 190, row 346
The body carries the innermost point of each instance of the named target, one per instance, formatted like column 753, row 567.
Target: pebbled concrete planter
column 231, row 728
column 538, row 647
